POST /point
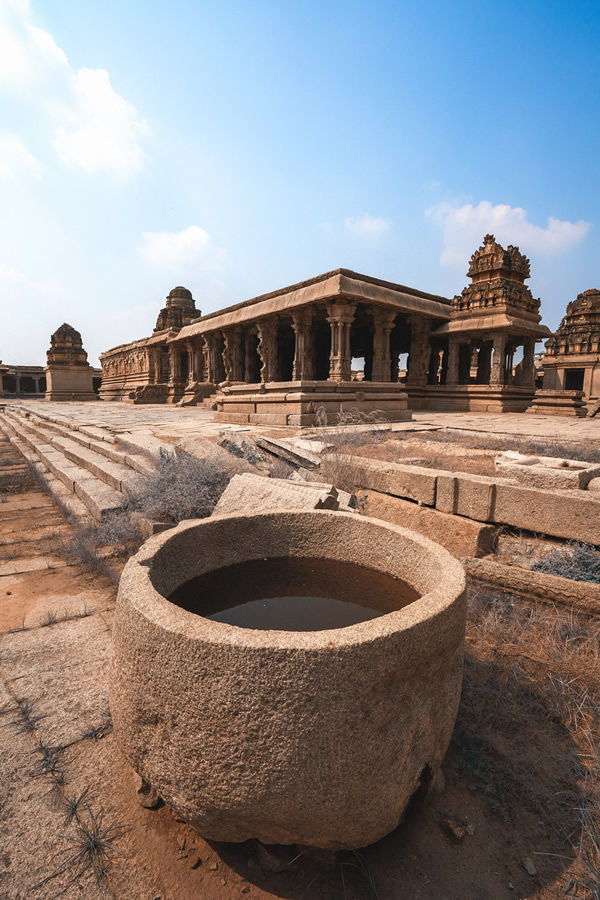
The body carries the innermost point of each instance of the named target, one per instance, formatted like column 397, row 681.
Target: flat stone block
column 461, row 537
column 476, row 496
column 446, row 498
column 268, row 419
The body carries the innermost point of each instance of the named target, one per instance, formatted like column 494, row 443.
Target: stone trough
column 321, row 738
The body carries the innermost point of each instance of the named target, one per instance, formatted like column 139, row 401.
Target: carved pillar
column 303, row 355
column 267, row 349
column 381, row 366
column 37, row 385
column 453, row 360
column 175, row 364
column 213, row 363
column 232, row 354
column 418, row 357
column 191, row 372
column 17, row 384
column 340, row 317
column 528, row 364
column 498, row 360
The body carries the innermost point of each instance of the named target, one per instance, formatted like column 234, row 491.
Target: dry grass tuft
column 528, row 730
column 182, row 487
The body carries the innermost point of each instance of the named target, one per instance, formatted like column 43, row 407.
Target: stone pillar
column 498, row 360
column 232, row 354
column 484, row 361
column 267, row 349
column 17, row 384
column 37, row 384
column 381, row 366
column 175, row 364
column 303, row 355
column 453, row 360
column 420, row 351
column 340, row 317
column 528, row 364
column 210, row 350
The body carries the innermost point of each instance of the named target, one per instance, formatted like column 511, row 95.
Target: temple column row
column 230, row 354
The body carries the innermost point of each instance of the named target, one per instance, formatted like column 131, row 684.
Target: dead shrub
column 182, row 487
column 90, row 543
column 576, row 561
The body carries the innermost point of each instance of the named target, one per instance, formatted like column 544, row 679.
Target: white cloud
column 103, row 130
column 49, row 50
column 182, row 251
column 91, row 126
column 367, row 225
column 10, row 276
column 15, row 159
column 464, row 226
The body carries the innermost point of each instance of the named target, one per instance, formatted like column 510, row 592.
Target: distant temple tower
column 572, row 360
column 490, row 319
column 68, row 373
column 179, row 310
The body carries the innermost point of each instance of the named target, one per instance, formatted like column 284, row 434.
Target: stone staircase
column 83, row 467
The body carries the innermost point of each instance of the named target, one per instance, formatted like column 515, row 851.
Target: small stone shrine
column 572, row 360
column 68, row 373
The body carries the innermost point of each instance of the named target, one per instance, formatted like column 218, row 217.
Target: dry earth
column 520, row 776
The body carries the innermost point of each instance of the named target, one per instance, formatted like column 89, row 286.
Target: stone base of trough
column 461, row 537
column 583, row 595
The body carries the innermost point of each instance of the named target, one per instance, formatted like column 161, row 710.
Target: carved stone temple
column 68, row 373
column 572, row 360
column 287, row 357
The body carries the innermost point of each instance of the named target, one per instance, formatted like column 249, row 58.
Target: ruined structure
column 68, row 373
column 472, row 355
column 281, row 357
column 572, row 360
column 146, row 371
column 334, row 342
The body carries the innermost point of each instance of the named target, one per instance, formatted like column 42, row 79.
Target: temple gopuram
column 287, row 357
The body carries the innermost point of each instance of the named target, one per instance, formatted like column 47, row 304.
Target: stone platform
column 471, row 398
column 558, row 403
column 308, row 403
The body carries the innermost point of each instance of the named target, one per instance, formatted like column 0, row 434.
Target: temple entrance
column 574, row 379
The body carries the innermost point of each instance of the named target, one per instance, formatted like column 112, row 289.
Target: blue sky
column 236, row 147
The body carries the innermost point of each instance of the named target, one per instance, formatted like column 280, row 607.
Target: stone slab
column 411, row 482
column 249, row 493
column 582, row 595
column 461, row 537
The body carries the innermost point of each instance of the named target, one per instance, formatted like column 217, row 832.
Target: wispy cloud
column 91, row 126
column 16, row 160
column 464, row 226
column 11, row 276
column 184, row 251
column 102, row 131
column 367, row 226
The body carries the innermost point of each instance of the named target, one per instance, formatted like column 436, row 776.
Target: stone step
column 92, row 437
column 116, row 474
column 98, row 497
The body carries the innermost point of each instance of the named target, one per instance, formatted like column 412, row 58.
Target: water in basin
column 293, row 594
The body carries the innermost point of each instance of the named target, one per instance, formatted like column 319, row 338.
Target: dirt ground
column 518, row 789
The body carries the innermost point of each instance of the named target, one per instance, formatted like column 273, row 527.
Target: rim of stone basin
column 429, row 568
